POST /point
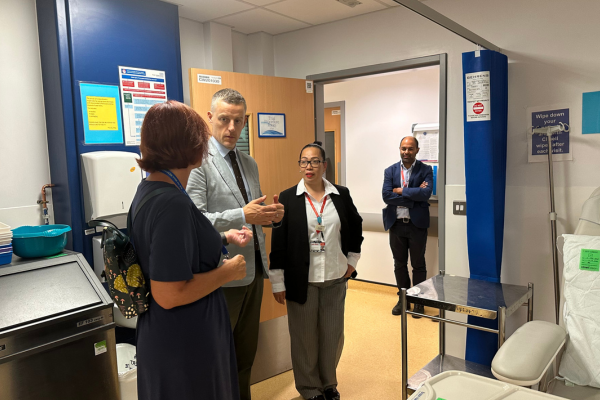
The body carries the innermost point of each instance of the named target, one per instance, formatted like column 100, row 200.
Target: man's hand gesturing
column 257, row 214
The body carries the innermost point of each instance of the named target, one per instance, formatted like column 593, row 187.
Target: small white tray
column 457, row 385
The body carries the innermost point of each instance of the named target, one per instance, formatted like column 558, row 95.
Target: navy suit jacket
column 413, row 197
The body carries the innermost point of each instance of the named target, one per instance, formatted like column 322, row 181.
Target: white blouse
column 331, row 264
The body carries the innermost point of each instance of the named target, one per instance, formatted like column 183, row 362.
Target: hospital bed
column 532, row 356
column 543, row 354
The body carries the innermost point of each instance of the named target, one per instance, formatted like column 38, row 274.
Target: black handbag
column 126, row 282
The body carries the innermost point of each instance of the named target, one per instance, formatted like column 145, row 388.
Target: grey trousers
column 244, row 303
column 317, row 336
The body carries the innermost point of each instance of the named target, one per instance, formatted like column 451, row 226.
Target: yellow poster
column 102, row 113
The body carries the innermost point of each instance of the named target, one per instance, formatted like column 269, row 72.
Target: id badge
column 317, row 246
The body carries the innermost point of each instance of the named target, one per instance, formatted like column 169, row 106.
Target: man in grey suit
column 226, row 189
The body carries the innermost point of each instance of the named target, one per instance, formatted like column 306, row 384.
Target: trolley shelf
column 489, row 300
column 469, row 296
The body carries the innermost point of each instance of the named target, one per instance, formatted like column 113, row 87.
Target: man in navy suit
column 407, row 186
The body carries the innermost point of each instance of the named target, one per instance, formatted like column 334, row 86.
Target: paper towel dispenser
column 110, row 180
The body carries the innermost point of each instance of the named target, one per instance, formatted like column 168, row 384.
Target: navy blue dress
column 186, row 352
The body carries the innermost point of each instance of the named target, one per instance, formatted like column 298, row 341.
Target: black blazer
column 290, row 249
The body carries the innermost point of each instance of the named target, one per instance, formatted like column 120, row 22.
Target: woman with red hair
column 185, row 346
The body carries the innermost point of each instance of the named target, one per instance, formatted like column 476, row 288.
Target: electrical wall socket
column 459, row 208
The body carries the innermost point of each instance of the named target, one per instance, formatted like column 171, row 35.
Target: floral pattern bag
column 126, row 282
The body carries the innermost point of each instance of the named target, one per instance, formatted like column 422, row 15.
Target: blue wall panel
column 86, row 41
column 485, row 173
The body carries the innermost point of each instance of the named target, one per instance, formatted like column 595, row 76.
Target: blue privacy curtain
column 485, row 95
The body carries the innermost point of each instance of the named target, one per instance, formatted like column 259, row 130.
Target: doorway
column 370, row 95
column 334, row 127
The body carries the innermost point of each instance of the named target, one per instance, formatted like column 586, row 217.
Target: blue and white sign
column 271, row 125
column 140, row 90
column 538, row 144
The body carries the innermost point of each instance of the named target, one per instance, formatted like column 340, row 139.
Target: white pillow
column 581, row 361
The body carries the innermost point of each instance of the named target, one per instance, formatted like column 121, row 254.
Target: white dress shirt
column 331, row 264
column 224, row 151
column 402, row 212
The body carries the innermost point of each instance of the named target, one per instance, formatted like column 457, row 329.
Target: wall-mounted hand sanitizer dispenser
column 110, row 180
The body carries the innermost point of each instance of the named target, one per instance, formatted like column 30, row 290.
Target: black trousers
column 405, row 239
column 244, row 304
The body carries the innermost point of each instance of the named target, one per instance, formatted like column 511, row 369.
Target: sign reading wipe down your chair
column 539, row 117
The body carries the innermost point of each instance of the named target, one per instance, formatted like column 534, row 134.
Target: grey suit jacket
column 215, row 192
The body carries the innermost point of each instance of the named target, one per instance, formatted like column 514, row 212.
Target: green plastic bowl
column 39, row 241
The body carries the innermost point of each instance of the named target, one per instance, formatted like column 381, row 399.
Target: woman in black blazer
column 313, row 254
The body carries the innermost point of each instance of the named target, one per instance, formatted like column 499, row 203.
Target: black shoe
column 419, row 308
column 332, row 394
column 397, row 310
column 319, row 397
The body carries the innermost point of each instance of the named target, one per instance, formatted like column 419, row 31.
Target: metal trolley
column 465, row 296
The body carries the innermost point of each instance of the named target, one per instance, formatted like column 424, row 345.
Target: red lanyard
column 313, row 206
column 404, row 183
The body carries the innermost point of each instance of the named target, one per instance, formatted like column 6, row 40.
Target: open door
column 333, row 117
column 277, row 159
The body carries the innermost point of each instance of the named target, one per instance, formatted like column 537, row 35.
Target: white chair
column 532, row 355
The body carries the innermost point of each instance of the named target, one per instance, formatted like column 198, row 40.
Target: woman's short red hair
column 173, row 136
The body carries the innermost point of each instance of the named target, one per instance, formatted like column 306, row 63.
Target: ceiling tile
column 322, row 11
column 206, row 10
column 258, row 19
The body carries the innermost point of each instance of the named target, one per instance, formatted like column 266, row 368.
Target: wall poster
column 140, row 90
column 477, row 92
column 271, row 125
column 101, row 112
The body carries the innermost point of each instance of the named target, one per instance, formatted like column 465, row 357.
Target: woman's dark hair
column 173, row 136
column 317, row 145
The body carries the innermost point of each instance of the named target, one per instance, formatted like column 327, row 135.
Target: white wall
column 240, row 52
column 191, row 42
column 548, row 65
column 261, row 57
column 379, row 112
column 23, row 143
column 215, row 46
column 218, row 52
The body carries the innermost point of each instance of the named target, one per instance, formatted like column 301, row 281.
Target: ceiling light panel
column 206, row 10
column 262, row 2
column 389, row 2
column 260, row 20
column 321, row 11
column 349, row 3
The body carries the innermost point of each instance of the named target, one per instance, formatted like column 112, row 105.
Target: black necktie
column 242, row 187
